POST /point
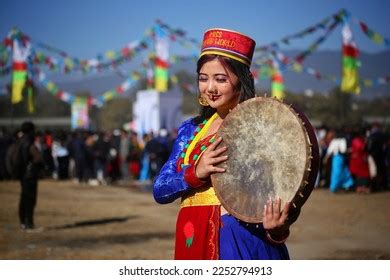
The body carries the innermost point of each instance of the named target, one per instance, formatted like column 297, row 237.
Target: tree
column 114, row 114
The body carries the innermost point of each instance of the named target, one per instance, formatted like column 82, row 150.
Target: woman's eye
column 221, row 80
column 202, row 79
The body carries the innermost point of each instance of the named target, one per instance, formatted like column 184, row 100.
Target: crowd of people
column 354, row 159
column 95, row 158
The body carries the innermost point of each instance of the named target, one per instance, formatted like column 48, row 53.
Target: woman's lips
column 214, row 97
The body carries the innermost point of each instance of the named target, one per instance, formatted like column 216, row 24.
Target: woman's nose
column 211, row 87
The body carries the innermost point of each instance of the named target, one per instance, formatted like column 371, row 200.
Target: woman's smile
column 214, row 97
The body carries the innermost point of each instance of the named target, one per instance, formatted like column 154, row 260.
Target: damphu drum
column 272, row 152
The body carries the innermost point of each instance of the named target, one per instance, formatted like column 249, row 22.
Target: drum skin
column 273, row 152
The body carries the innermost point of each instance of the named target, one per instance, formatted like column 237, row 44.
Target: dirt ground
column 124, row 222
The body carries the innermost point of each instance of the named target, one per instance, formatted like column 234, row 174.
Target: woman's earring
column 202, row 101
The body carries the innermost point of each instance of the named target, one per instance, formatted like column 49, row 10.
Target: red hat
column 228, row 43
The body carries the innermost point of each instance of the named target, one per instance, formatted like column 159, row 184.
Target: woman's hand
column 212, row 156
column 274, row 221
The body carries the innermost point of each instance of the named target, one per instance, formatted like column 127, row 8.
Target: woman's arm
column 170, row 184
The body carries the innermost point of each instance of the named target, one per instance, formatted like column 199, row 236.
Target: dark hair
column 245, row 85
column 28, row 128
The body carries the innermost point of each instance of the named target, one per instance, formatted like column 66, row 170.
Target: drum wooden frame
column 273, row 152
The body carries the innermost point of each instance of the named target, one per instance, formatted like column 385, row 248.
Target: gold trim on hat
column 227, row 55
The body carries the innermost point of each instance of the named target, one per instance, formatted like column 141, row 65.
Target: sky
column 86, row 28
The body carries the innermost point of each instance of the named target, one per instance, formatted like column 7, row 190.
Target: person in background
column 145, row 161
column 124, row 148
column 340, row 176
column 32, row 164
column 376, row 148
column 60, row 155
column 358, row 163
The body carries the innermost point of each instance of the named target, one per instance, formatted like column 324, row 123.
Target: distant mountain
column 326, row 62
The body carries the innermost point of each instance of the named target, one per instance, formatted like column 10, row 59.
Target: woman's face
column 217, row 85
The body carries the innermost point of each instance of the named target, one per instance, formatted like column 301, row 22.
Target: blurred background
column 107, row 83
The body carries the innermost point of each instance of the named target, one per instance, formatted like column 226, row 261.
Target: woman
column 358, row 163
column 340, row 176
column 204, row 229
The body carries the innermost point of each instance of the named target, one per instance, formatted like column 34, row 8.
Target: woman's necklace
column 189, row 147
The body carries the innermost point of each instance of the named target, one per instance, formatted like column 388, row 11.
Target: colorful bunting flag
column 265, row 72
column 350, row 76
column 277, row 82
column 372, row 35
column 277, row 85
column 149, row 78
column 161, row 62
column 30, row 97
column 19, row 67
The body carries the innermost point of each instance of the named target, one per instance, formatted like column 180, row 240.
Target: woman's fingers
column 217, row 152
column 212, row 156
column 212, row 169
column 216, row 160
column 215, row 144
column 276, row 208
column 284, row 215
column 218, row 169
column 267, row 215
column 272, row 217
column 208, row 165
column 269, row 211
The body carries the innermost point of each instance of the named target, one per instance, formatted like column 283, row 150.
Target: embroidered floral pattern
column 189, row 233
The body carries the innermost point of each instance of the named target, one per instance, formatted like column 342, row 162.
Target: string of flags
column 322, row 25
column 28, row 58
column 371, row 34
column 99, row 101
column 265, row 71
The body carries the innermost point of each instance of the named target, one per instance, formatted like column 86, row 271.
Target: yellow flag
column 350, row 81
